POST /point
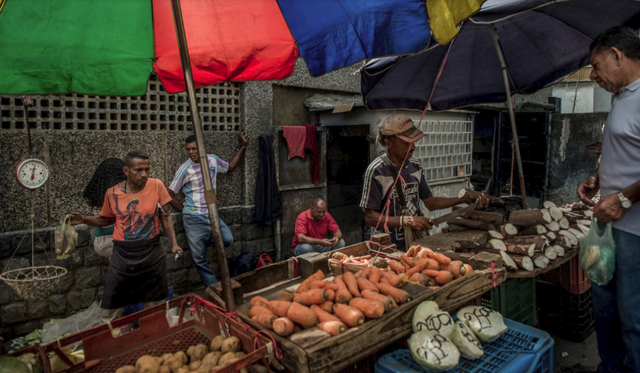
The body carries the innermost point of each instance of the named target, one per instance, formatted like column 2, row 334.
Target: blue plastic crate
column 521, row 349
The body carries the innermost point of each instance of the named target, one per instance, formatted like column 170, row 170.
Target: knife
column 452, row 215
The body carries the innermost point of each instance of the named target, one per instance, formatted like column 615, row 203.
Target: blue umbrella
column 509, row 46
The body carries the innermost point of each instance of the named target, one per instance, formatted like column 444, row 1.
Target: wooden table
column 333, row 354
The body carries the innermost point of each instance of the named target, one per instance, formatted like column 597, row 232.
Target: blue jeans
column 616, row 309
column 198, row 230
column 304, row 248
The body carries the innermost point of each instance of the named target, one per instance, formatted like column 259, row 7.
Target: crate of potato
column 325, row 323
column 194, row 345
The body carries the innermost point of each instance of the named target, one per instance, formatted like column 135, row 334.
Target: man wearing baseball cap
column 399, row 134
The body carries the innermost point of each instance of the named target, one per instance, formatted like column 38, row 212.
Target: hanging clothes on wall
column 311, row 144
column 296, row 140
column 267, row 197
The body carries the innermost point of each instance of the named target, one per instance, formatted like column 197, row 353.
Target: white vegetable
column 485, row 323
column 591, row 256
column 428, row 316
column 433, row 351
column 467, row 342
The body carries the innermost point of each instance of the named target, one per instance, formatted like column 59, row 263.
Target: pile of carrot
column 362, row 260
column 333, row 306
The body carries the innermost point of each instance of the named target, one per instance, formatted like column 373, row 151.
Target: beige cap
column 402, row 126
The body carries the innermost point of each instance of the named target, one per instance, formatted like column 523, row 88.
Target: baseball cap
column 402, row 126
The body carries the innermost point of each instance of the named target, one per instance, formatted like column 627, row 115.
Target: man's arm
column 439, row 203
column 588, row 188
column 609, row 208
column 76, row 218
column 167, row 225
column 302, row 238
column 174, row 202
column 418, row 223
column 337, row 236
column 234, row 162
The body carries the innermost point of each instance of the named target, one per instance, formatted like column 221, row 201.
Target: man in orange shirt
column 138, row 268
column 311, row 230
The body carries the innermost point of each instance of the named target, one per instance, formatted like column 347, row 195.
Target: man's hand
column 587, row 189
column 176, row 249
column 326, row 242
column 418, row 223
column 75, row 218
column 483, row 200
column 244, row 138
column 608, row 209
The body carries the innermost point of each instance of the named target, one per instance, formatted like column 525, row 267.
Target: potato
column 182, row 357
column 227, row 358
column 216, row 343
column 240, row 354
column 166, row 356
column 183, row 370
column 175, row 365
column 211, row 358
column 164, row 369
column 260, row 369
column 126, row 369
column 244, row 370
column 147, row 364
column 199, row 352
column 190, row 350
column 195, row 365
column 231, row 344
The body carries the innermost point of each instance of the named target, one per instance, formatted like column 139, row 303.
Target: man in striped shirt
column 195, row 213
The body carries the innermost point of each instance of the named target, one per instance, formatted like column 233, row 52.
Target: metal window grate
column 219, row 107
column 445, row 152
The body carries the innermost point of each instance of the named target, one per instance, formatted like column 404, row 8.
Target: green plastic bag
column 598, row 254
column 66, row 239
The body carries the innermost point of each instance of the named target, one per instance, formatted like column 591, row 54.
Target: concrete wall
column 569, row 160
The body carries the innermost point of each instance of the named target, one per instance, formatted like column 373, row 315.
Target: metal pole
column 512, row 117
column 209, row 192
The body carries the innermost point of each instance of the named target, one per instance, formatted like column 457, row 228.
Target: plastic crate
column 514, row 299
column 568, row 315
column 521, row 349
column 570, row 275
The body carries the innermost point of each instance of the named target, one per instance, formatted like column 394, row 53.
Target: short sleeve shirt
column 377, row 190
column 136, row 214
column 307, row 225
column 189, row 179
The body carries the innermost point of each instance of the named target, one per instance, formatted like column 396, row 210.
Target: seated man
column 311, row 230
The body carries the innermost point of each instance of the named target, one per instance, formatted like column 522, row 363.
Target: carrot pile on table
column 349, row 299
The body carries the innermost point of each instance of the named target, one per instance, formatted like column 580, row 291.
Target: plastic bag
column 73, row 324
column 66, row 239
column 598, row 254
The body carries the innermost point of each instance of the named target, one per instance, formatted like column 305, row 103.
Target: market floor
column 571, row 357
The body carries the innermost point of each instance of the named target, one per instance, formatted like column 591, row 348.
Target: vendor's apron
column 137, row 273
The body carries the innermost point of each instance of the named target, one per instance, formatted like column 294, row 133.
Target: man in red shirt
column 311, row 230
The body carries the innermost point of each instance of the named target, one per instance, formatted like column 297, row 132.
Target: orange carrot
column 306, row 284
column 265, row 321
column 441, row 258
column 412, row 251
column 331, row 286
column 349, row 315
column 258, row 301
column 286, row 294
column 407, row 261
column 431, row 273
column 302, row 315
column 430, row 254
column 319, row 284
column 396, row 266
column 374, row 274
column 283, row 326
column 394, row 280
column 327, row 306
column 417, row 268
column 370, row 308
column 259, row 310
column 309, row 297
column 279, row 307
column 456, row 268
column 351, row 282
column 364, row 273
column 331, row 295
column 398, row 295
column 364, row 284
column 343, row 295
column 433, row 264
column 332, row 327
column 468, row 269
column 384, row 299
column 421, row 279
column 444, row 277
column 323, row 315
column 384, row 280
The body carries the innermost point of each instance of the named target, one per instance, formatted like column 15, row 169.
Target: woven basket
column 34, row 283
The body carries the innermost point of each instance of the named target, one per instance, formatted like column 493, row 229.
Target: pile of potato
column 197, row 359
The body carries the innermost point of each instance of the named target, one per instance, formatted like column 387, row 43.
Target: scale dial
column 32, row 173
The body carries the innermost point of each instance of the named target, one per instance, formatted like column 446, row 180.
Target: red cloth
column 295, row 136
column 306, row 225
column 311, row 144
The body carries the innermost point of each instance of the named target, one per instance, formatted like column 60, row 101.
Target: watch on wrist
column 624, row 201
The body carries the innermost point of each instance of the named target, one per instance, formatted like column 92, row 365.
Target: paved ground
column 573, row 357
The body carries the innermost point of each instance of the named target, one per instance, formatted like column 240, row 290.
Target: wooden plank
column 268, row 275
column 236, row 289
column 310, row 263
column 446, row 241
column 569, row 254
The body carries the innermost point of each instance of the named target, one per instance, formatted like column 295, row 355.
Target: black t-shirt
column 377, row 187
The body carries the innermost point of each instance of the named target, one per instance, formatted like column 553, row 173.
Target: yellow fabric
column 2, row 4
column 445, row 15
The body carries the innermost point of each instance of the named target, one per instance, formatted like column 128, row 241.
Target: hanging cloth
column 311, row 144
column 267, row 196
column 295, row 136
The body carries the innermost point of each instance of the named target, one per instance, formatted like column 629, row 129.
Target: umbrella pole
column 209, row 192
column 512, row 117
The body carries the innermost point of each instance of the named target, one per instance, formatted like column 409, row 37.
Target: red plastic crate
column 570, row 275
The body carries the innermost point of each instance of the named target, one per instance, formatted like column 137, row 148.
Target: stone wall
column 83, row 284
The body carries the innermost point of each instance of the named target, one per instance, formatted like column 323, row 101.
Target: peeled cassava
column 428, row 316
column 485, row 323
column 591, row 256
column 433, row 351
column 467, row 342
